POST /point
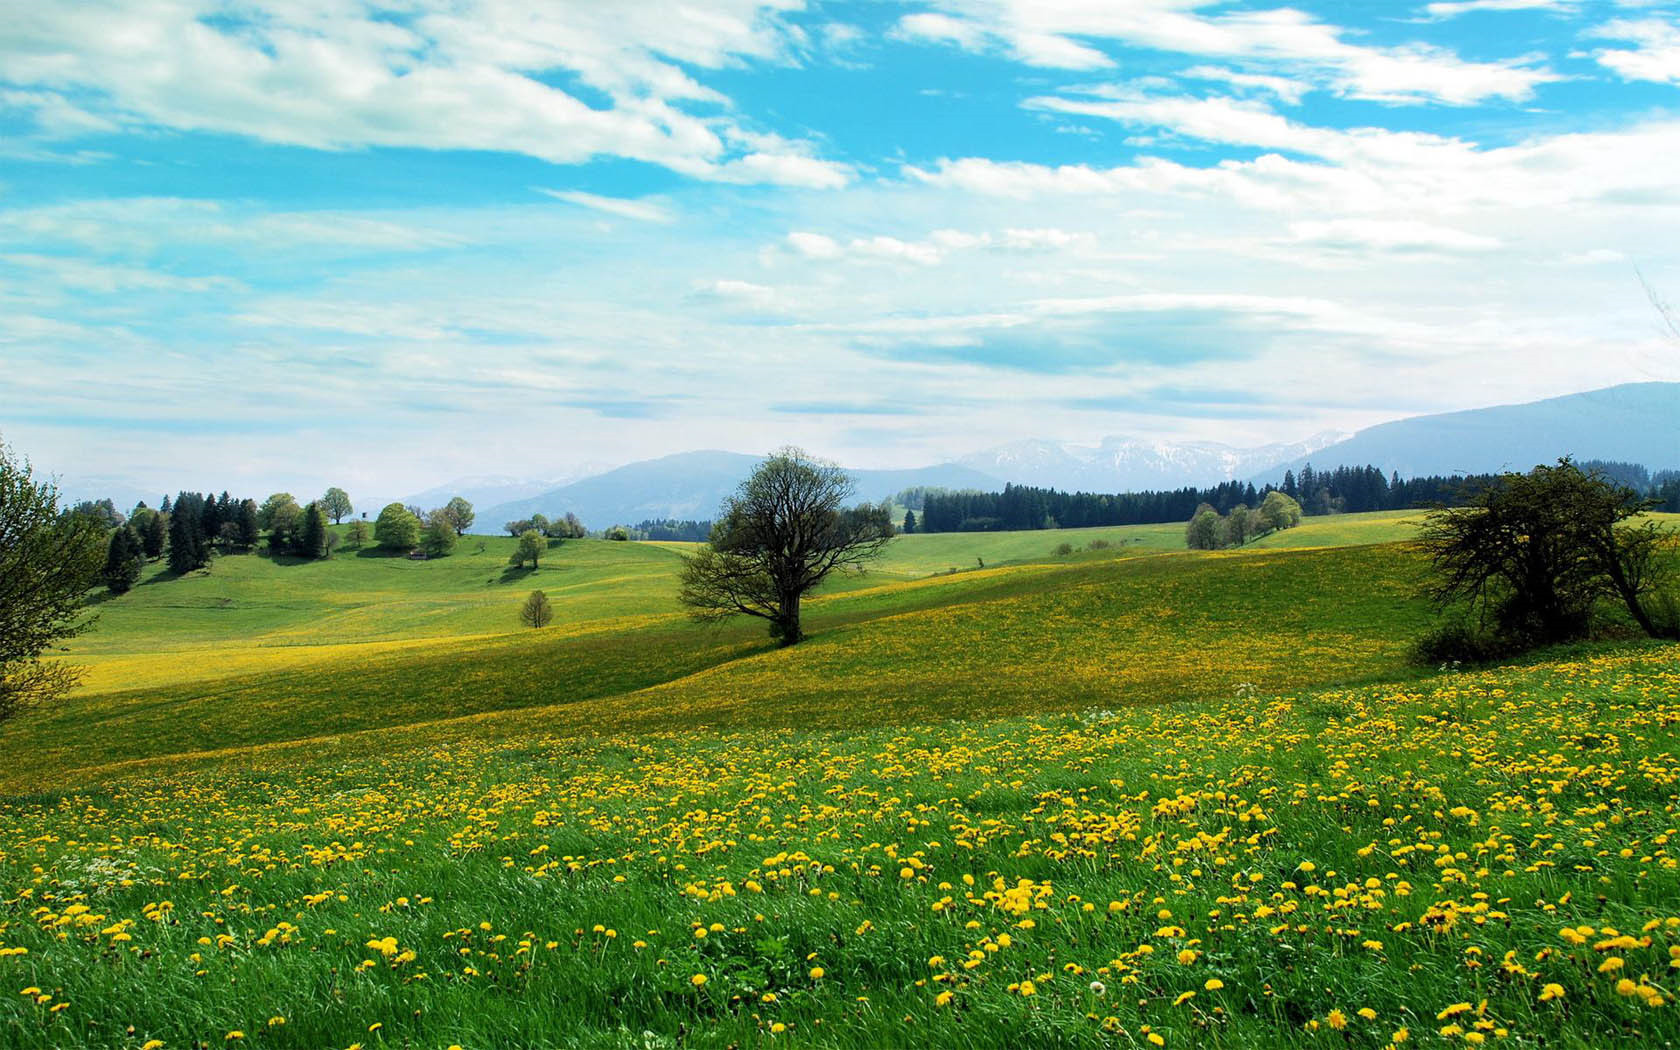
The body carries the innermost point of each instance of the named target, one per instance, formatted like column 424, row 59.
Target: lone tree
column 1531, row 553
column 531, row 547
column 459, row 514
column 780, row 535
column 336, row 504
column 537, row 612
column 47, row 564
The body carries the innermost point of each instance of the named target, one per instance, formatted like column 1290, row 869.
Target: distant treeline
column 1335, row 491
column 671, row 529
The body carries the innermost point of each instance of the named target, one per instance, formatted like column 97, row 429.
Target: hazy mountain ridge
column 692, row 484
column 1634, row 422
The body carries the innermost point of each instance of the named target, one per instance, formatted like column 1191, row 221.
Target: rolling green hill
column 1077, row 799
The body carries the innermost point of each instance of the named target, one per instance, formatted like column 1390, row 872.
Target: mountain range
column 1633, row 423
column 1636, row 422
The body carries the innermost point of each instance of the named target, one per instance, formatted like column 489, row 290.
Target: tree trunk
column 787, row 624
column 1627, row 592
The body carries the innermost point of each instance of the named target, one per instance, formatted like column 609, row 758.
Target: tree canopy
column 47, row 563
column 336, row 504
column 1530, row 554
column 397, row 529
column 782, row 533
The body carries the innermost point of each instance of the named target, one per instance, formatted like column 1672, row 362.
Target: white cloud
column 1453, row 8
column 814, row 245
column 639, row 210
column 1655, row 56
column 1383, row 235
column 83, row 275
column 1287, row 42
column 729, row 289
column 936, row 246
column 470, row 76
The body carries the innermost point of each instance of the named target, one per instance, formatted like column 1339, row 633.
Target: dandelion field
column 862, row 842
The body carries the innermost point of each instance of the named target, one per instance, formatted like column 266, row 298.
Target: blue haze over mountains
column 1636, row 422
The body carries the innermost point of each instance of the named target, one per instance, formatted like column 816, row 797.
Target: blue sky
column 283, row 243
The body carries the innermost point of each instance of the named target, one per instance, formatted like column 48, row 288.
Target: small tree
column 909, row 521
column 1278, row 511
column 397, row 529
column 47, row 564
column 279, row 503
column 460, row 514
column 783, row 532
column 531, row 546
column 1237, row 526
column 537, row 612
column 1529, row 554
column 439, row 538
column 358, row 532
column 517, row 528
column 123, row 561
column 1204, row 530
column 336, row 504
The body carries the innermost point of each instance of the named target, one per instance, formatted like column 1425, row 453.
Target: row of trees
column 1209, row 530
column 566, row 528
column 1017, row 507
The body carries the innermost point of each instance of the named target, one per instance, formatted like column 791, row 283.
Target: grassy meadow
column 1129, row 796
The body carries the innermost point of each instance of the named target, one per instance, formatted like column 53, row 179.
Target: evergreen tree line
column 671, row 529
column 1332, row 491
column 188, row 530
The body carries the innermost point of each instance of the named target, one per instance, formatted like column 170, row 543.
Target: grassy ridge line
column 1018, row 640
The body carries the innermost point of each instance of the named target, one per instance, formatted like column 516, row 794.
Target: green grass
column 1061, row 769
column 1018, row 639
column 1244, row 873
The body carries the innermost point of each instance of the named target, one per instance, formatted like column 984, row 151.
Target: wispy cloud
column 624, row 208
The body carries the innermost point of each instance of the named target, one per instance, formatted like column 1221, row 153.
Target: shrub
column 1063, row 549
column 1457, row 639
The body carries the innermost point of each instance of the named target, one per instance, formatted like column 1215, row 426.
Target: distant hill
column 491, row 489
column 1123, row 464
column 1636, row 423
column 691, row 485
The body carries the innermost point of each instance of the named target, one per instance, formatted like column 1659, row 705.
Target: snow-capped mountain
column 1122, row 464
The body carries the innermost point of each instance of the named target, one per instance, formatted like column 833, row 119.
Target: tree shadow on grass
column 515, row 573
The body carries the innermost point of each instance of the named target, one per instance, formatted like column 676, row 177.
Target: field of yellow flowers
column 1463, row 860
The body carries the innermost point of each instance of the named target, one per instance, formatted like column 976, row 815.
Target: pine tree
column 312, row 537
column 183, row 540
column 249, row 530
column 156, row 534
column 909, row 521
column 123, row 561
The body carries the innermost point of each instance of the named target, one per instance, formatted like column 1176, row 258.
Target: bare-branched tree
column 783, row 532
